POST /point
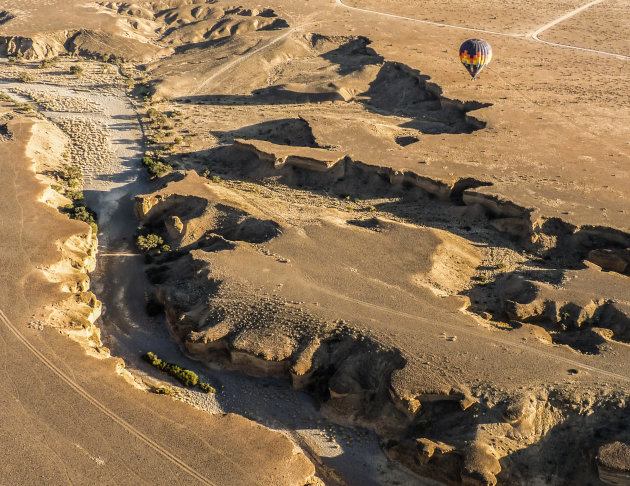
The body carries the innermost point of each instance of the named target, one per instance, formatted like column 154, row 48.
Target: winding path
column 533, row 36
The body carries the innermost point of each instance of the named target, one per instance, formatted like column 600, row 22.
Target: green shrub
column 151, row 358
column 206, row 387
column 184, row 376
column 149, row 242
column 156, row 167
column 25, row 107
column 187, row 377
column 159, row 169
column 46, row 63
column 76, row 69
column 25, row 78
column 56, row 187
column 74, row 195
column 163, row 390
column 157, row 117
column 82, row 213
column 206, row 173
column 69, row 172
column 216, row 179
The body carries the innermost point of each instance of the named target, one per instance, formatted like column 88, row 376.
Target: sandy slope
column 97, row 428
column 337, row 127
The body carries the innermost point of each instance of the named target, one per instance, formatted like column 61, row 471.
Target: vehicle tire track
column 102, row 407
column 242, row 58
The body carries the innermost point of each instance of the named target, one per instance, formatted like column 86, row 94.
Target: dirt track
column 102, row 407
column 534, row 35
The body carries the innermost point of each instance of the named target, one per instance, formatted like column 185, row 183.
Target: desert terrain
column 294, row 243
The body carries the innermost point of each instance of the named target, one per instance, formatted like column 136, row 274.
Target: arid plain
column 381, row 271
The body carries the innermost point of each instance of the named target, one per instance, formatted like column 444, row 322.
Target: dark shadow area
column 351, row 56
column 568, row 450
column 5, row 133
column 273, row 95
column 586, row 341
column 286, row 131
column 6, row 17
column 277, row 24
column 397, row 90
column 207, row 44
column 402, row 91
column 406, row 140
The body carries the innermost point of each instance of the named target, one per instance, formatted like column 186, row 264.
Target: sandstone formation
column 441, row 261
column 235, row 291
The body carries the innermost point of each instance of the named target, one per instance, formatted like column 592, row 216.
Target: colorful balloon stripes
column 475, row 54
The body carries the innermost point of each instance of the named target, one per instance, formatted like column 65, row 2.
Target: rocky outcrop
column 38, row 46
column 480, row 466
column 339, row 164
column 78, row 309
column 224, row 301
column 91, row 43
column 587, row 298
column 613, row 463
column 612, row 260
column 316, row 159
column 541, row 235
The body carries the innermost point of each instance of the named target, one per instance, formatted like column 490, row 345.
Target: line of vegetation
column 17, row 57
column 48, row 63
column 161, row 126
column 155, row 165
column 19, row 106
column 184, row 376
column 72, row 178
column 77, row 70
column 151, row 242
column 25, row 78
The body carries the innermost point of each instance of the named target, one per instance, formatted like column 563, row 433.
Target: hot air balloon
column 475, row 54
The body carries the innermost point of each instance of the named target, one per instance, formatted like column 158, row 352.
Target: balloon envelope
column 475, row 54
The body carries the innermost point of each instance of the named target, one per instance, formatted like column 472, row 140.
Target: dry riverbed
column 106, row 142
